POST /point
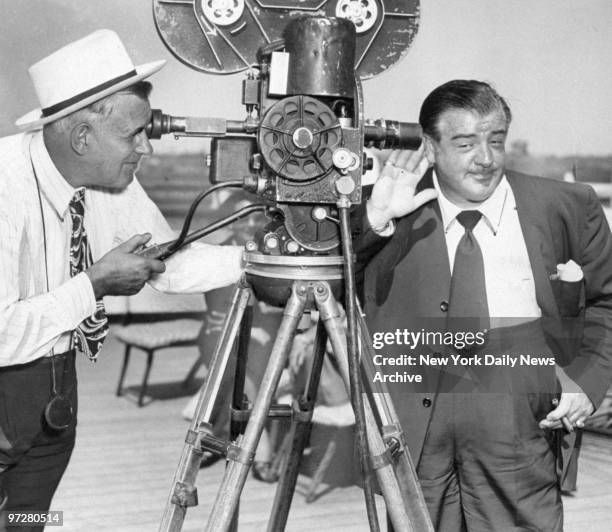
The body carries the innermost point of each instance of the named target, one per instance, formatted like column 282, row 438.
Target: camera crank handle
column 158, row 251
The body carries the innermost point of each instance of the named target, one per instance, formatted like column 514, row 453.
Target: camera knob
column 271, row 242
column 291, row 246
column 302, row 138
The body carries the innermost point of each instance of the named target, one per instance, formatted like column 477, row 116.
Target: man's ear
column 81, row 137
column 428, row 143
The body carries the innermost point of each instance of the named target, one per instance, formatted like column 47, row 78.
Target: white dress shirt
column 509, row 280
column 39, row 303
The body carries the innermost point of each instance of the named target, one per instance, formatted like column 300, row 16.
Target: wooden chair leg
column 126, row 359
column 188, row 380
column 145, row 379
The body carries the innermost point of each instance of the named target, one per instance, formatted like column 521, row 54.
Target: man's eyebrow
column 136, row 130
column 471, row 136
column 463, row 136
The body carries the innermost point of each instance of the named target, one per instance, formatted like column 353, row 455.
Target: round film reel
column 298, row 136
column 223, row 36
column 222, row 12
column 362, row 13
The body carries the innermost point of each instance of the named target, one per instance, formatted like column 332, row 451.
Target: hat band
column 48, row 111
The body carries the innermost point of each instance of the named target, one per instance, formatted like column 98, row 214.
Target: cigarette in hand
column 568, row 426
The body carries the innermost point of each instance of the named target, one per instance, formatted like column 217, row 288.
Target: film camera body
column 301, row 145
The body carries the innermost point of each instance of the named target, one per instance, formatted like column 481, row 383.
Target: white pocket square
column 569, row 272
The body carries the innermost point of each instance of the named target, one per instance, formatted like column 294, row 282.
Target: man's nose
column 144, row 145
column 484, row 155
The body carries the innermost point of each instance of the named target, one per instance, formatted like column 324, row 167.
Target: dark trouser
column 487, row 466
column 33, row 457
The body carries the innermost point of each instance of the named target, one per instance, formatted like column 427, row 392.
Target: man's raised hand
column 394, row 193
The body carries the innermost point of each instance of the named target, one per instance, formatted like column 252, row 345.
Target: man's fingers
column 409, row 159
column 424, row 196
column 545, row 424
column 579, row 415
column 422, row 166
column 135, row 242
column 412, row 178
column 559, row 412
column 157, row 266
column 415, row 158
column 403, row 158
column 392, row 159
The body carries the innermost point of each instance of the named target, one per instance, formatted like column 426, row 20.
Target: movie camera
column 302, row 150
column 301, row 145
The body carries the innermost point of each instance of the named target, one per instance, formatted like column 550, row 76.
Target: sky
column 551, row 60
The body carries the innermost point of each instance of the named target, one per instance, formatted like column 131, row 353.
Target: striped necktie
column 89, row 335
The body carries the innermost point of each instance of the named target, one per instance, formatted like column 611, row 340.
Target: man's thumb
column 135, row 242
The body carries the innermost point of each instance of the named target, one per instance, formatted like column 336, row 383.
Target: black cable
column 186, row 224
column 211, row 228
column 165, row 250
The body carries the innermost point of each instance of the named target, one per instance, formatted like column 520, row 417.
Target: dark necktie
column 89, row 335
column 468, row 294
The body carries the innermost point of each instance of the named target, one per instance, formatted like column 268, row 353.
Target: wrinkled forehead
column 127, row 112
column 471, row 121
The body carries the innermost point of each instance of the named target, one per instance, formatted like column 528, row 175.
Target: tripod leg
column 393, row 432
column 240, row 455
column 300, row 431
column 396, row 505
column 183, row 493
column 240, row 408
column 239, row 411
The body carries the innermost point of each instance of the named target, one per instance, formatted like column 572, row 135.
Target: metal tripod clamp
column 239, row 454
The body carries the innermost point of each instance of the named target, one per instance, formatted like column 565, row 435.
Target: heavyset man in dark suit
column 532, row 254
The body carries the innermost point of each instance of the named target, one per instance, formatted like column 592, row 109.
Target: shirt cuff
column 75, row 299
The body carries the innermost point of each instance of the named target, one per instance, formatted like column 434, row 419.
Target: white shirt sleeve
column 198, row 268
column 31, row 325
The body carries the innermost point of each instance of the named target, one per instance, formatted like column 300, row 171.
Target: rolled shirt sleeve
column 197, row 268
column 200, row 267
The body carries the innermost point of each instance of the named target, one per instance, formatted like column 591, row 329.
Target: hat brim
column 35, row 120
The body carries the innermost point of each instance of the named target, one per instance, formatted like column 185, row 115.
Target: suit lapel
column 419, row 261
column 538, row 241
column 425, row 223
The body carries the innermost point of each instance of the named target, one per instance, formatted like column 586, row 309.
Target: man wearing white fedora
column 72, row 217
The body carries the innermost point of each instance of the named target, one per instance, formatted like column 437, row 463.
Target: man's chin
column 483, row 186
column 119, row 186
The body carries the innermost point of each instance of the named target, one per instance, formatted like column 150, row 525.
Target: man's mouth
column 483, row 176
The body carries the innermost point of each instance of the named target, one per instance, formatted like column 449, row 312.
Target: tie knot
column 77, row 203
column 469, row 219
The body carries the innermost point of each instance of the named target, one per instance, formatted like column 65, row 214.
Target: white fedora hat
column 81, row 73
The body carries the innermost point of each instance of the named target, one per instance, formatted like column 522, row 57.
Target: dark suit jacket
column 407, row 277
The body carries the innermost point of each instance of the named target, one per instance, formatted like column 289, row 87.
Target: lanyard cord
column 44, row 232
